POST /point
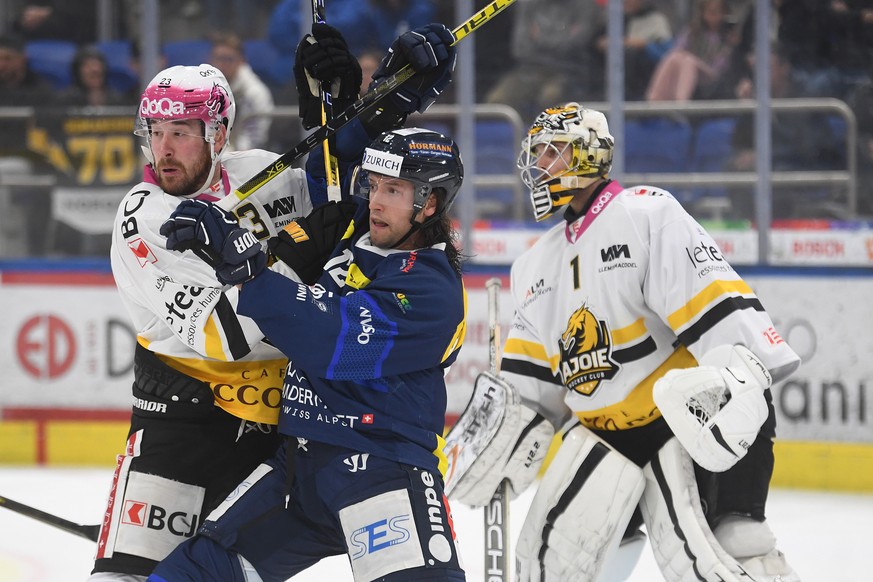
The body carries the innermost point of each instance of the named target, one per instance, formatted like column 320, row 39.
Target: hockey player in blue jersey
column 364, row 398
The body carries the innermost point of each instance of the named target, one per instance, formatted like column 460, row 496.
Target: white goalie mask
column 566, row 149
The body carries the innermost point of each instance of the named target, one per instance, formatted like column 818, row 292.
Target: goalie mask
column 426, row 158
column 188, row 92
column 566, row 149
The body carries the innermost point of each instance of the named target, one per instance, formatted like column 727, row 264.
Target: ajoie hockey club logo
column 586, row 353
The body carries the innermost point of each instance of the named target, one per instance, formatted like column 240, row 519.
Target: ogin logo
column 367, row 328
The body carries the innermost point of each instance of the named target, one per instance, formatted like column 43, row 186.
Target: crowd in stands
column 536, row 54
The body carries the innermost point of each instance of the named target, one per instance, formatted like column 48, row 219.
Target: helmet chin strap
column 577, row 182
column 414, row 227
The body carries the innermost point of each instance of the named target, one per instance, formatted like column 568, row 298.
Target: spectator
column 369, row 61
column 59, row 20
column 694, row 67
column 647, row 37
column 90, row 86
column 365, row 24
column 830, row 43
column 800, row 141
column 19, row 85
column 253, row 97
column 550, row 46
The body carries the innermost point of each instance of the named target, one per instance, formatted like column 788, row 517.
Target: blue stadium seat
column 656, row 145
column 267, row 64
column 52, row 60
column 187, row 52
column 712, row 152
column 712, row 145
column 118, row 55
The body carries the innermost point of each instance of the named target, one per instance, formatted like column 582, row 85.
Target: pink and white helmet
column 187, row 92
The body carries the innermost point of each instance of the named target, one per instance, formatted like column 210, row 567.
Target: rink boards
column 67, row 365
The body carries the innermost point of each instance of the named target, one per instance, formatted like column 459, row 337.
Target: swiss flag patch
column 367, row 419
column 142, row 252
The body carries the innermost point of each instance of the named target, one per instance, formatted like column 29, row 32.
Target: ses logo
column 379, row 535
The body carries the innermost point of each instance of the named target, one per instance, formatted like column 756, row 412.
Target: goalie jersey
column 369, row 344
column 188, row 319
column 609, row 301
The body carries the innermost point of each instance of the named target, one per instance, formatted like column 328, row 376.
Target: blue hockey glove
column 429, row 51
column 324, row 56
column 216, row 237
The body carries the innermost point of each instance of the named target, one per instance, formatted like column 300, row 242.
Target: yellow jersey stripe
column 699, row 302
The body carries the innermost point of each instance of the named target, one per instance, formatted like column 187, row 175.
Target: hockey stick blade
column 89, row 532
column 330, row 128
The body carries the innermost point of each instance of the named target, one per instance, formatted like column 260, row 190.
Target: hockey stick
column 89, row 532
column 311, row 141
column 497, row 511
column 331, row 166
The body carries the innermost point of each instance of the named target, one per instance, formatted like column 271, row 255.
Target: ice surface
column 826, row 536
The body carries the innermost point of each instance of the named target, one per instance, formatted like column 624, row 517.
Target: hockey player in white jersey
column 207, row 386
column 631, row 329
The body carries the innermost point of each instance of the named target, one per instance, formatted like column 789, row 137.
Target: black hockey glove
column 429, row 51
column 324, row 56
column 306, row 243
column 216, row 237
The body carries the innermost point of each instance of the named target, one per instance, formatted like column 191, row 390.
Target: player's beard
column 187, row 180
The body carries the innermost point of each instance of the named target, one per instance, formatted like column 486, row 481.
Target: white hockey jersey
column 608, row 304
column 180, row 310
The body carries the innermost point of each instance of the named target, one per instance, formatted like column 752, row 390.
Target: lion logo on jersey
column 586, row 352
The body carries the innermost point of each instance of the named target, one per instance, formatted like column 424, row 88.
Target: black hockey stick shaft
column 325, row 131
column 331, row 165
column 497, row 562
column 89, row 532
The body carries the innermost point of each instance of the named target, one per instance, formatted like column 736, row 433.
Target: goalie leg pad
column 684, row 547
column 495, row 438
column 580, row 511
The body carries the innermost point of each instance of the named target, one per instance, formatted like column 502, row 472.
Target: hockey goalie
column 639, row 346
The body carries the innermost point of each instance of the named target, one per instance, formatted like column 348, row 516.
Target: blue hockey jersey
column 369, row 346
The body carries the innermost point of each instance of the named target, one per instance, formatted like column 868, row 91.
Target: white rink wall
column 65, row 344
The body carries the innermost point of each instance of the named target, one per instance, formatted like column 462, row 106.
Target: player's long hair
column 440, row 229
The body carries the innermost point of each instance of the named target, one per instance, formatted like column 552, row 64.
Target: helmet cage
column 572, row 134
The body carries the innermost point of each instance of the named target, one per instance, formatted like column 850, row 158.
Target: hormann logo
column 164, row 106
column 382, row 162
column 430, row 147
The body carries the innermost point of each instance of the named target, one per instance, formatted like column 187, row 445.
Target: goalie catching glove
column 716, row 409
column 496, row 438
column 216, row 237
column 307, row 242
